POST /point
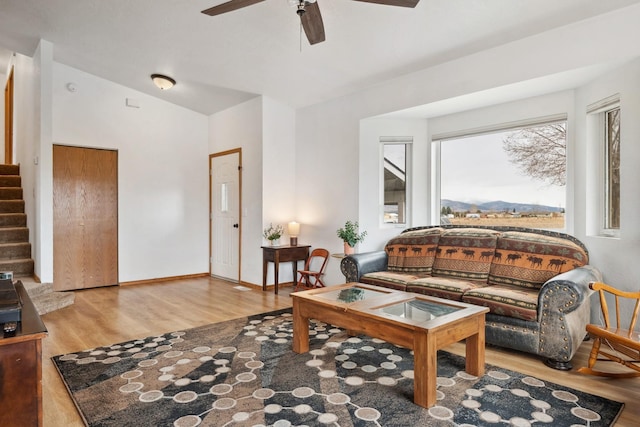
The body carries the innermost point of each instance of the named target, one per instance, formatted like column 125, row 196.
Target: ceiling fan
column 308, row 11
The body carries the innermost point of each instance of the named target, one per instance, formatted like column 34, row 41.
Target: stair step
column 14, row 234
column 18, row 250
column 19, row 267
column 11, row 193
column 10, row 181
column 13, row 220
column 9, row 169
column 12, row 206
column 45, row 298
column 52, row 301
column 35, row 289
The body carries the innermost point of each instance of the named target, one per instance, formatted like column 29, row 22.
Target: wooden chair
column 310, row 279
column 614, row 343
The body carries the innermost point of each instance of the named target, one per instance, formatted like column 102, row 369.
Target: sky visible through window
column 477, row 169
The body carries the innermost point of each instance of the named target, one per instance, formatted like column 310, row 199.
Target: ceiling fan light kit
column 307, row 10
column 163, row 82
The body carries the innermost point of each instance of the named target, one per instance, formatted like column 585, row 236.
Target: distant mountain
column 497, row 206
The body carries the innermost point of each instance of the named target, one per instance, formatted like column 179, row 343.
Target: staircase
column 15, row 249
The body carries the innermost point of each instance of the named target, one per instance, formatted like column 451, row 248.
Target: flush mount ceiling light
column 163, row 82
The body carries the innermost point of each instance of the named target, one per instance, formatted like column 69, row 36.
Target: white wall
column 27, row 131
column 370, row 175
column 162, row 171
column 36, row 156
column 334, row 169
column 328, row 132
column 279, row 163
column 241, row 127
column 616, row 257
column 279, row 177
column 264, row 129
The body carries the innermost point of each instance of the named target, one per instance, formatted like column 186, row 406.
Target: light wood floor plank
column 105, row 316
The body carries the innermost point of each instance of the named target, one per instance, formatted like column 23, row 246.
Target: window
column 395, row 159
column 612, row 168
column 513, row 177
column 604, row 117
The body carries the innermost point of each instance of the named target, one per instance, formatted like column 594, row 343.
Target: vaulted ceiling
column 223, row 60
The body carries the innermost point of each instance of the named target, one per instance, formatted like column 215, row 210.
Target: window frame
column 597, row 112
column 407, row 142
column 607, row 202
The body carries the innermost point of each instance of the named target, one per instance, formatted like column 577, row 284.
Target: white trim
column 602, row 105
column 519, row 124
column 601, row 114
column 396, row 139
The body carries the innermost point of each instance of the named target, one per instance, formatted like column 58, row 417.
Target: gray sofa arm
column 564, row 311
column 354, row 266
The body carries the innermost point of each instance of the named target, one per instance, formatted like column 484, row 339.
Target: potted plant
column 273, row 233
column 350, row 236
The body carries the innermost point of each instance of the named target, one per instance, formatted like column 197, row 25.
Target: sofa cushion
column 529, row 259
column 465, row 253
column 443, row 287
column 413, row 251
column 505, row 300
column 389, row 279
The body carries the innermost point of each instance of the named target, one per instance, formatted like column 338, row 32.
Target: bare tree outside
column 540, row 152
column 612, row 123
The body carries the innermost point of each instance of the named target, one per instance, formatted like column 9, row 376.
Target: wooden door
column 85, row 217
column 224, row 201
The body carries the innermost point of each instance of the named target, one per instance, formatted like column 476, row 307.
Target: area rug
column 243, row 373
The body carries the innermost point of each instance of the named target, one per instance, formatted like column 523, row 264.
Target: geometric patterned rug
column 243, row 372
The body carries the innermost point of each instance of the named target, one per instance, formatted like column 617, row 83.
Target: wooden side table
column 21, row 368
column 278, row 254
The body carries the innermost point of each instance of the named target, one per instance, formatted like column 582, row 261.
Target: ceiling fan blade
column 401, row 3
column 229, row 6
column 312, row 23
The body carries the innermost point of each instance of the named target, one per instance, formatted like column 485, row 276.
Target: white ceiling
column 224, row 60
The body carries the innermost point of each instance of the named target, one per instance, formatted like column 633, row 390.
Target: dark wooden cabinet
column 21, row 369
column 278, row 254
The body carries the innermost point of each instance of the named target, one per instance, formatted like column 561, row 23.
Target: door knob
column 235, row 225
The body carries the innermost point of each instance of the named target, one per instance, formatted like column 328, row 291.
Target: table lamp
column 294, row 230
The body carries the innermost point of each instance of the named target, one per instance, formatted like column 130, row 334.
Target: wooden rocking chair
column 310, row 279
column 615, row 344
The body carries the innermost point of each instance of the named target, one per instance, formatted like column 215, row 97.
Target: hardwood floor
column 104, row 316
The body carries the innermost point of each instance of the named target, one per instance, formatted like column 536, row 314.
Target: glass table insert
column 349, row 295
column 419, row 310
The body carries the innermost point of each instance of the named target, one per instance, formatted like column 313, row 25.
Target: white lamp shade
column 163, row 82
column 294, row 229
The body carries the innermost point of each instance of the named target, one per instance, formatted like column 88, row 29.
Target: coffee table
column 421, row 323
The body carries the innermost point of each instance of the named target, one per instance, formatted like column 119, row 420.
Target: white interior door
column 225, row 215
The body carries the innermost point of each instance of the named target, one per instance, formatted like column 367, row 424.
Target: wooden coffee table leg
column 475, row 351
column 300, row 329
column 425, row 369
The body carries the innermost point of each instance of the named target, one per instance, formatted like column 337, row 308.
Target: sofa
column 534, row 282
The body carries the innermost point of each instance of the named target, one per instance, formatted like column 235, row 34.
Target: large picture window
column 514, row 177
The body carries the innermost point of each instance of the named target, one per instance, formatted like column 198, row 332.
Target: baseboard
column 198, row 275
column 164, row 279
column 280, row 285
